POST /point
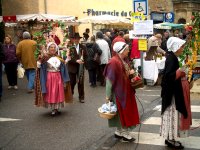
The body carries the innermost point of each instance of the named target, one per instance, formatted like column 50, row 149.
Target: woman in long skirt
column 53, row 76
column 176, row 111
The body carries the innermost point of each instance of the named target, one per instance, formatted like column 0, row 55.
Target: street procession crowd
column 108, row 59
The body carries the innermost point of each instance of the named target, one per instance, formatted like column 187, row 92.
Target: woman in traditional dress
column 119, row 91
column 51, row 79
column 176, row 111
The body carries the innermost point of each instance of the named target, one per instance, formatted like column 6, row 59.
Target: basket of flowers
column 107, row 110
column 137, row 82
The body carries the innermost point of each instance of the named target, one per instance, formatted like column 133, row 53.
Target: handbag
column 97, row 58
column 137, row 82
column 20, row 71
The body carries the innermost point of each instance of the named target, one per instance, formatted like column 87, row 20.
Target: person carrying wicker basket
column 120, row 92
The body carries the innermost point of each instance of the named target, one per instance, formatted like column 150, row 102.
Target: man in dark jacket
column 78, row 53
column 1, row 59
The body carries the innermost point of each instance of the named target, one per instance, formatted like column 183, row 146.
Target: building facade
column 184, row 8
column 78, row 8
column 81, row 9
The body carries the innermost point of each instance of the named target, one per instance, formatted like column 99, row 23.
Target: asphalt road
column 79, row 127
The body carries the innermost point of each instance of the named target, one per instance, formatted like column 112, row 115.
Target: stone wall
column 161, row 5
column 184, row 10
column 19, row 7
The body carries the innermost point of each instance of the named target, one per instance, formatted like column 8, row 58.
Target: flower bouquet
column 137, row 81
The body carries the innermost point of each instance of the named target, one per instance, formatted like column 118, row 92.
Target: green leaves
column 48, row 27
column 194, row 37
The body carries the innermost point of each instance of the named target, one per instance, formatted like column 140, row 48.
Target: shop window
column 181, row 21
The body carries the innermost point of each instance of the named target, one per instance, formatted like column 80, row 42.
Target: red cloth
column 9, row 18
column 55, row 89
column 135, row 53
column 117, row 39
column 125, row 94
column 186, row 122
column 56, row 39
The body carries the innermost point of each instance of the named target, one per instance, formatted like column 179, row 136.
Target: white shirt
column 105, row 56
column 77, row 48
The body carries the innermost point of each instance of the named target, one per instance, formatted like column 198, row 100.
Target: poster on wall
column 143, row 27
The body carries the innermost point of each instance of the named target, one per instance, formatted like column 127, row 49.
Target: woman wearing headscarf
column 176, row 112
column 119, row 91
column 51, row 78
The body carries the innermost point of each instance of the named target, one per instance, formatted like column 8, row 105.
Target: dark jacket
column 92, row 48
column 10, row 53
column 2, row 55
column 73, row 66
column 172, row 87
column 164, row 44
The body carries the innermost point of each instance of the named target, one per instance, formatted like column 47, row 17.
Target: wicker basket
column 137, row 84
column 106, row 115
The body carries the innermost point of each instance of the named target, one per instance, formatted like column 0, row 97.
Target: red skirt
column 129, row 116
column 55, row 88
column 185, row 123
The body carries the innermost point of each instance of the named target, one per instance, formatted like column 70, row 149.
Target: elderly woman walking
column 176, row 111
column 119, row 91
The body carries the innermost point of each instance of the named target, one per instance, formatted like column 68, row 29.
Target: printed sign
column 142, row 44
column 141, row 6
column 143, row 27
column 169, row 17
column 137, row 16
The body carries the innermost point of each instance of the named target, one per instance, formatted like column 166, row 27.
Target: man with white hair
column 105, row 56
column 25, row 54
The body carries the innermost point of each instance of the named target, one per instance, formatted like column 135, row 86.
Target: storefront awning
column 105, row 19
column 40, row 17
column 168, row 26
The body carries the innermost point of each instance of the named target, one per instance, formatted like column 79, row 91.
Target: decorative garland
column 42, row 41
column 192, row 48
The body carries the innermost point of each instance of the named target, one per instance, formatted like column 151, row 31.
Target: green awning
column 167, row 25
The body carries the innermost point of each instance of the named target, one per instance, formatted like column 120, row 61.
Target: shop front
column 78, row 8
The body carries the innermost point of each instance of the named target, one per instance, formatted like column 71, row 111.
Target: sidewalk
column 148, row 134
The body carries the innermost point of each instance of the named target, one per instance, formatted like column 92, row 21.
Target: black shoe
column 81, row 101
column 53, row 113
column 57, row 112
column 118, row 136
column 103, row 84
column 93, row 85
column 174, row 144
column 127, row 140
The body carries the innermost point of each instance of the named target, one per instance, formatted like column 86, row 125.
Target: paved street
column 26, row 127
